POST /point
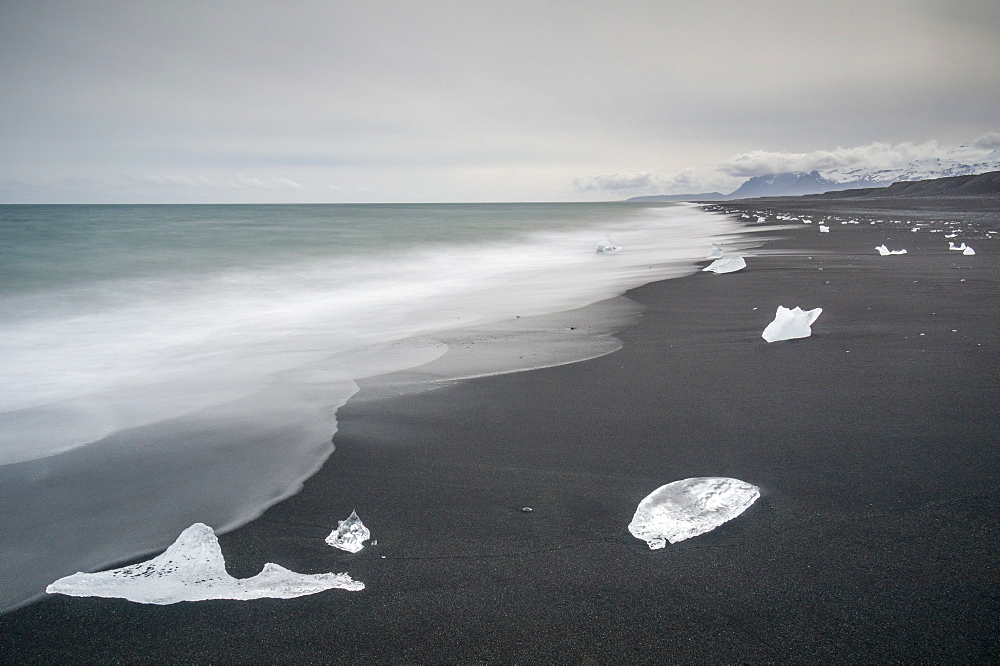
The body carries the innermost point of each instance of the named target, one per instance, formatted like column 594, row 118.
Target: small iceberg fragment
column 968, row 250
column 791, row 324
column 952, row 246
column 715, row 252
column 607, row 246
column 824, row 229
column 689, row 507
column 350, row 534
column 193, row 569
column 885, row 252
column 727, row 265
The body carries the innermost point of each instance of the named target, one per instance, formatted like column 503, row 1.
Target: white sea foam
column 82, row 362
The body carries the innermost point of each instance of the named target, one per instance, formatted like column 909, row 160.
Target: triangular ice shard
column 607, row 246
column 968, row 250
column 687, row 508
column 791, row 324
column 727, row 265
column 193, row 569
column 350, row 534
column 715, row 252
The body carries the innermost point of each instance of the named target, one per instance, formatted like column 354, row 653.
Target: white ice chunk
column 350, row 534
column 952, row 246
column 761, row 219
column 715, row 252
column 689, row 507
column 791, row 324
column 607, row 246
column 884, row 251
column 727, row 265
column 825, row 229
column 968, row 250
column 193, row 569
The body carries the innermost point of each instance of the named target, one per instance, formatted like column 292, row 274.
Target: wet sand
column 874, row 443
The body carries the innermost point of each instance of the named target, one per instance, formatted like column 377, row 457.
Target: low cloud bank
column 241, row 182
column 642, row 182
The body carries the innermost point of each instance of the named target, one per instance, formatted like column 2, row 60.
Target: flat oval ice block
column 727, row 265
column 193, row 569
column 791, row 324
column 689, row 507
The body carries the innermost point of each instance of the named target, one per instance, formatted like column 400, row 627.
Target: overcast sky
column 347, row 101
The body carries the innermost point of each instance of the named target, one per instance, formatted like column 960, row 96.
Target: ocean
column 166, row 364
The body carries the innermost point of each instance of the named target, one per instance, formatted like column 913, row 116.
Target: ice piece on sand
column 825, row 229
column 727, row 265
column 715, row 252
column 884, row 251
column 689, row 507
column 193, row 569
column 968, row 250
column 607, row 246
column 952, row 246
column 790, row 324
column 350, row 534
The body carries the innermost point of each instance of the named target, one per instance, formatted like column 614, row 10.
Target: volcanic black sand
column 875, row 443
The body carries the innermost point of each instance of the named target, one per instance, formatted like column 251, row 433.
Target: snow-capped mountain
column 849, row 178
column 920, row 169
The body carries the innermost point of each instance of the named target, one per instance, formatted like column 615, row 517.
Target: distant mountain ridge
column 787, row 184
column 844, row 178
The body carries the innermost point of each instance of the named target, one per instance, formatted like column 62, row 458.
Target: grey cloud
column 988, row 141
column 644, row 182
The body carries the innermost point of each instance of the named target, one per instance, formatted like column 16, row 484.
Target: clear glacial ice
column 790, row 324
column 350, row 534
column 193, row 569
column 727, row 265
column 715, row 252
column 607, row 246
column 689, row 507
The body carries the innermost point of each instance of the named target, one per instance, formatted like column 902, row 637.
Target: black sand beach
column 874, row 443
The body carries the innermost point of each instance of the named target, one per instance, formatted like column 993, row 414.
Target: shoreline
column 872, row 444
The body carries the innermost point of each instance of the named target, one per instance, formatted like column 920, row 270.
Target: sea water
column 165, row 365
